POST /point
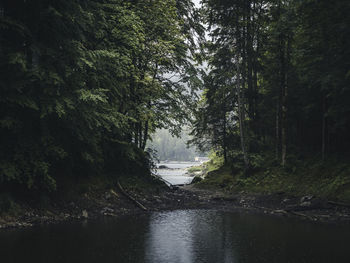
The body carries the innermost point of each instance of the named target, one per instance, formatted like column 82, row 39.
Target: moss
column 220, row 178
column 194, row 169
column 329, row 179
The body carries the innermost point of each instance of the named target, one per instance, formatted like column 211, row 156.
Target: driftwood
column 302, row 215
column 285, row 212
column 130, row 197
column 338, row 204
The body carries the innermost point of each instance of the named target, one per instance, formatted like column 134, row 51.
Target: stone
column 85, row 214
column 196, row 179
column 107, row 195
column 286, row 200
column 306, row 198
column 107, row 210
column 306, row 204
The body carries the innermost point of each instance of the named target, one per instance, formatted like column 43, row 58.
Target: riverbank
column 313, row 190
column 315, row 193
column 112, row 202
column 308, row 207
column 99, row 198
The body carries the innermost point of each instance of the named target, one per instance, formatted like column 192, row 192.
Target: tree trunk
column 324, row 129
column 145, row 136
column 136, row 132
column 224, row 140
column 277, row 149
column 284, row 102
column 140, row 134
column 241, row 119
column 249, row 58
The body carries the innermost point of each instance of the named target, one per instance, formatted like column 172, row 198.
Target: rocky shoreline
column 113, row 203
column 306, row 207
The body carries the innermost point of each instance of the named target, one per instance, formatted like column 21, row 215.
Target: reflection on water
column 181, row 237
column 200, row 239
column 166, row 242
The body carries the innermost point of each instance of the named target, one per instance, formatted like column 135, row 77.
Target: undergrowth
column 329, row 179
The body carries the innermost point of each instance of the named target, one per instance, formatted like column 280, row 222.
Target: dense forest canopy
column 84, row 84
column 278, row 81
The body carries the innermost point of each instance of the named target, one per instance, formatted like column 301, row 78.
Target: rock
column 107, row 195
column 85, row 214
column 29, row 214
column 306, row 204
column 306, row 198
column 196, row 179
column 163, row 167
column 286, row 200
column 107, row 211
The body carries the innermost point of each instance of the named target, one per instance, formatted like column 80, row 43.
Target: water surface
column 179, row 237
column 176, row 174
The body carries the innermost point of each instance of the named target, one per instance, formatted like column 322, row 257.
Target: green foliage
column 277, row 83
column 218, row 178
column 84, row 84
column 194, row 169
column 328, row 179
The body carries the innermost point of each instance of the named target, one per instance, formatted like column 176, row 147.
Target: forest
column 278, row 81
column 94, row 93
column 86, row 83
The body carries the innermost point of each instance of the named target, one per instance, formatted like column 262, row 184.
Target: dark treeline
column 84, row 83
column 278, row 79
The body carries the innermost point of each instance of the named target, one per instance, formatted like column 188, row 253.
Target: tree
column 287, row 64
column 85, row 83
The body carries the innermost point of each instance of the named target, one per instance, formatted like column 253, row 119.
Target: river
column 181, row 236
column 175, row 173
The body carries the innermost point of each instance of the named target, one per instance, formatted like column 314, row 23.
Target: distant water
column 181, row 236
column 176, row 172
column 178, row 165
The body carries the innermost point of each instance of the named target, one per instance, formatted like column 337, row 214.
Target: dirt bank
column 307, row 207
column 114, row 203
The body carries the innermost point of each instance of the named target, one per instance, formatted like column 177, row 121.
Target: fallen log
column 285, row 212
column 302, row 215
column 130, row 197
column 338, row 204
